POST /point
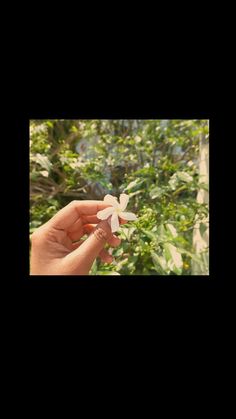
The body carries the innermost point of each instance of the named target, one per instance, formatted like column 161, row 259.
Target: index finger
column 75, row 209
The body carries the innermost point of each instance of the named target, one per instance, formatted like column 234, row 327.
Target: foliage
column 154, row 161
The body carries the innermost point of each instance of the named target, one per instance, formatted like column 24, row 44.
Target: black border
column 21, row 216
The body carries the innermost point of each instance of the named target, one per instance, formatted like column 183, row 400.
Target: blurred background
column 162, row 164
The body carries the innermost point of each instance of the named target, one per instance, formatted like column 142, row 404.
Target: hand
column 54, row 248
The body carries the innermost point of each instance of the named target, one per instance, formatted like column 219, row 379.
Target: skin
column 58, row 248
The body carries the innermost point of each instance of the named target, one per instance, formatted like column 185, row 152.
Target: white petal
column 104, row 214
column 114, row 222
column 129, row 216
column 111, row 200
column 124, row 199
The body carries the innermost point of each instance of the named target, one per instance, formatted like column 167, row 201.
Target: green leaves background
column 154, row 161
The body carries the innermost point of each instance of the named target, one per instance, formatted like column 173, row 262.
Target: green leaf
column 43, row 161
column 93, row 270
column 161, row 232
column 119, row 252
column 185, row 177
column 203, row 228
column 174, row 258
column 106, row 273
column 190, row 254
column 172, row 230
column 150, row 235
column 159, row 261
column 203, row 186
column 156, row 192
column 134, row 184
column 49, row 124
column 136, row 193
column 127, row 232
column 130, row 232
column 173, row 182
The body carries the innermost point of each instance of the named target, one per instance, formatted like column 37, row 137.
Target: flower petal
column 111, row 200
column 104, row 214
column 114, row 222
column 129, row 216
column 124, row 199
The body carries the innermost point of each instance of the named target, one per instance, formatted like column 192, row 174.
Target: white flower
column 116, row 211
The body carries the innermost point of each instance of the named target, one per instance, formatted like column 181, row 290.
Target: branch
column 182, row 157
column 182, row 188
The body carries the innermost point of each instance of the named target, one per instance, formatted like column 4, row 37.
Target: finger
column 93, row 219
column 114, row 241
column 122, row 221
column 76, row 244
column 75, row 232
column 76, row 226
column 76, row 235
column 67, row 216
column 90, row 219
column 83, row 228
column 105, row 257
column 82, row 258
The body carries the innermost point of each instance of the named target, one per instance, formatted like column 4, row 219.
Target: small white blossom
column 116, row 210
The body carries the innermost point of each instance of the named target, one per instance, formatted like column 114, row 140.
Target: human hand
column 54, row 250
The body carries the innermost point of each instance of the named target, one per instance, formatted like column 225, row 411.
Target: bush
column 154, row 161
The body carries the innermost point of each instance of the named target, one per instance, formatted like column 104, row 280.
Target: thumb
column 81, row 259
